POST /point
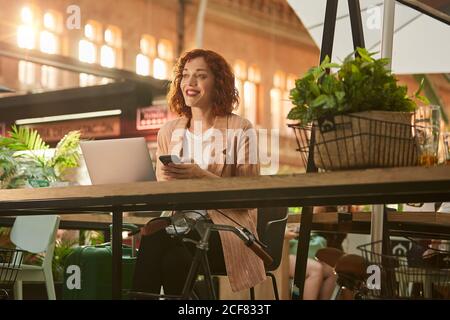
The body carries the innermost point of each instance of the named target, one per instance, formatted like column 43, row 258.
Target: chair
column 271, row 227
column 36, row 234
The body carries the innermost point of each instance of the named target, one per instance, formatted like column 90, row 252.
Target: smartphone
column 171, row 158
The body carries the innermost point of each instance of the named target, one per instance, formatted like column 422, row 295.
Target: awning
column 421, row 31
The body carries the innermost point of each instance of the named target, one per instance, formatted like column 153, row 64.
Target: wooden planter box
column 370, row 139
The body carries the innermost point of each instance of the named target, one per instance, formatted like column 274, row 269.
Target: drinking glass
column 427, row 126
column 446, row 147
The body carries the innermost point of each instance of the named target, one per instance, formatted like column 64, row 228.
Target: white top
column 197, row 148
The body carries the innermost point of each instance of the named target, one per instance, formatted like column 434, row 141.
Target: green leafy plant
column 361, row 83
column 24, row 161
column 62, row 250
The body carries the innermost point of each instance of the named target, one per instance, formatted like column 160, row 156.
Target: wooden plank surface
column 432, row 218
column 103, row 218
column 92, row 221
column 319, row 188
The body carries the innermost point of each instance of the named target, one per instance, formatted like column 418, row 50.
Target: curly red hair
column 225, row 96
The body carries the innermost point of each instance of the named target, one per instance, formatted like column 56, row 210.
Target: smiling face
column 197, row 84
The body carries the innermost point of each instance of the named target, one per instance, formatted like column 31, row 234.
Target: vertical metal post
column 302, row 249
column 200, row 23
column 356, row 23
column 376, row 227
column 116, row 245
column 180, row 27
column 387, row 36
column 328, row 29
column 307, row 212
column 377, row 219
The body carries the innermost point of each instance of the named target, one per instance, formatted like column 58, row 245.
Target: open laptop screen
column 118, row 160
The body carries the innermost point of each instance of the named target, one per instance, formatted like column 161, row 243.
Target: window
column 280, row 104
column 110, row 52
column 163, row 63
column 160, row 69
column 287, row 104
column 48, row 42
column 25, row 37
column 49, row 77
column 107, row 56
column 87, row 51
column 148, row 46
column 240, row 74
column 26, row 32
column 142, row 65
column 50, row 35
column 27, row 72
column 87, row 47
column 144, row 59
column 251, row 87
column 155, row 58
column 247, row 84
column 87, row 80
column 250, row 101
column 276, row 103
column 44, row 32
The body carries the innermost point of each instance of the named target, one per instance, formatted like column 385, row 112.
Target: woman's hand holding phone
column 174, row 168
column 170, row 158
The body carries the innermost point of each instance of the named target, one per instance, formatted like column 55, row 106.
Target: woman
column 212, row 143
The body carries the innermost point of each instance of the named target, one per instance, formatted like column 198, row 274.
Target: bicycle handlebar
column 260, row 252
column 249, row 239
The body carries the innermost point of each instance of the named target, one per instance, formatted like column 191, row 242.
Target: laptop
column 118, row 160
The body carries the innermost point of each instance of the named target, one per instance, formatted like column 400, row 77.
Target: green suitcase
column 88, row 271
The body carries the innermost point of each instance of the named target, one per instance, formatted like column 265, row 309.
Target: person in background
column 320, row 279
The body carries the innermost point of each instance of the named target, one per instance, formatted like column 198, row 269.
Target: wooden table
column 433, row 225
column 375, row 186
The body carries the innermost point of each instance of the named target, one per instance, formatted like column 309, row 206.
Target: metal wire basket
column 362, row 140
column 10, row 262
column 407, row 276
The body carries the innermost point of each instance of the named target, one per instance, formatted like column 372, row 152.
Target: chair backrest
column 35, row 234
column 271, row 228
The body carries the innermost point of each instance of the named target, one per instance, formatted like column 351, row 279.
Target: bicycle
column 200, row 260
column 402, row 274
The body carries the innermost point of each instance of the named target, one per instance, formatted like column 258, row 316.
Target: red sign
column 90, row 128
column 152, row 117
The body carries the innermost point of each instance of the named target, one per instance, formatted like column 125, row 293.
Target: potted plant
column 27, row 161
column 361, row 116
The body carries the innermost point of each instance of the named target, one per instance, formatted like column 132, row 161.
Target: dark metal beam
column 180, row 26
column 356, row 23
column 426, row 9
column 328, row 29
column 125, row 95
